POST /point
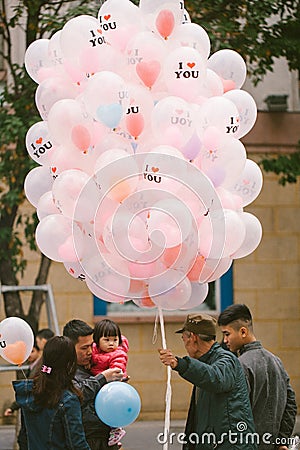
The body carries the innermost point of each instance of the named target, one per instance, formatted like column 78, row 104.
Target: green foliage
column 248, row 27
column 286, row 166
column 17, row 114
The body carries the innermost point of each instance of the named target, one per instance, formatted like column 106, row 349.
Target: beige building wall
column 267, row 281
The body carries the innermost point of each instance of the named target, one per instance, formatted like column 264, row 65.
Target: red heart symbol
column 190, row 65
column 99, row 30
column 53, row 169
column 107, row 17
column 39, row 141
column 246, row 181
column 155, row 169
column 179, row 111
column 71, row 270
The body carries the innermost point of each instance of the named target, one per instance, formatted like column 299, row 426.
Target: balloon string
column 25, row 376
column 154, row 336
column 169, row 388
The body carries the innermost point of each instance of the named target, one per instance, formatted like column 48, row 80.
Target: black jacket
column 94, row 428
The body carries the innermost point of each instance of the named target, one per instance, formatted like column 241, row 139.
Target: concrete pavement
column 140, row 434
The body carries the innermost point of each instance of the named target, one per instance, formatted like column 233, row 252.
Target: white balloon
column 249, row 183
column 247, row 109
column 37, row 182
column 252, row 238
column 229, row 65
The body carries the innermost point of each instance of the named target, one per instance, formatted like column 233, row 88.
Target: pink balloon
column 108, row 276
column 67, row 250
column 51, row 233
column 135, row 124
column 81, row 137
column 141, row 271
column 107, row 295
column 51, row 91
column 165, row 22
column 46, row 206
column 75, row 270
column 170, row 291
column 225, row 162
column 148, row 71
column 229, row 200
column 66, row 190
column 214, row 269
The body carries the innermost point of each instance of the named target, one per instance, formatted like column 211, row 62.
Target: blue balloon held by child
column 117, row 404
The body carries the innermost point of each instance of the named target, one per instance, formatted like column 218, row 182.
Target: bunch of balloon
column 141, row 177
column 16, row 340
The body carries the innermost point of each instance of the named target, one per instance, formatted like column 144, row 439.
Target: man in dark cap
column 220, row 413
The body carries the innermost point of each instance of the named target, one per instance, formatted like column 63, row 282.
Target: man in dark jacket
column 97, row 432
column 220, row 414
column 272, row 398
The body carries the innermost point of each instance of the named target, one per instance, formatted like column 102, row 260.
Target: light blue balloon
column 110, row 115
column 117, row 404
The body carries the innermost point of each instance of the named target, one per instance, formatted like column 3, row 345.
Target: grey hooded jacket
column 272, row 398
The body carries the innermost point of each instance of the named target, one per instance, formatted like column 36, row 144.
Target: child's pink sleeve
column 119, row 358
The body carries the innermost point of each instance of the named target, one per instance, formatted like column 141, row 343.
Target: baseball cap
column 199, row 324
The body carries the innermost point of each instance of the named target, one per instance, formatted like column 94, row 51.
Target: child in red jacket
column 110, row 350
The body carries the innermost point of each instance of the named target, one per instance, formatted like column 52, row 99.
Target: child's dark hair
column 58, row 367
column 106, row 328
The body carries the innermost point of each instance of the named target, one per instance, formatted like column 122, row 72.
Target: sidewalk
column 140, row 434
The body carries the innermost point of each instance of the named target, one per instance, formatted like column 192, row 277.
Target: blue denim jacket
column 51, row 429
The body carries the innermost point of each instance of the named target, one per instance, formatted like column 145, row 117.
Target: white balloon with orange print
column 16, row 340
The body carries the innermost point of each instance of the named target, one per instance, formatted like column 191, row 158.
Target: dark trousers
column 101, row 444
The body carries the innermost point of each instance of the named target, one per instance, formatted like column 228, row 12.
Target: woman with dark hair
column 50, row 402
